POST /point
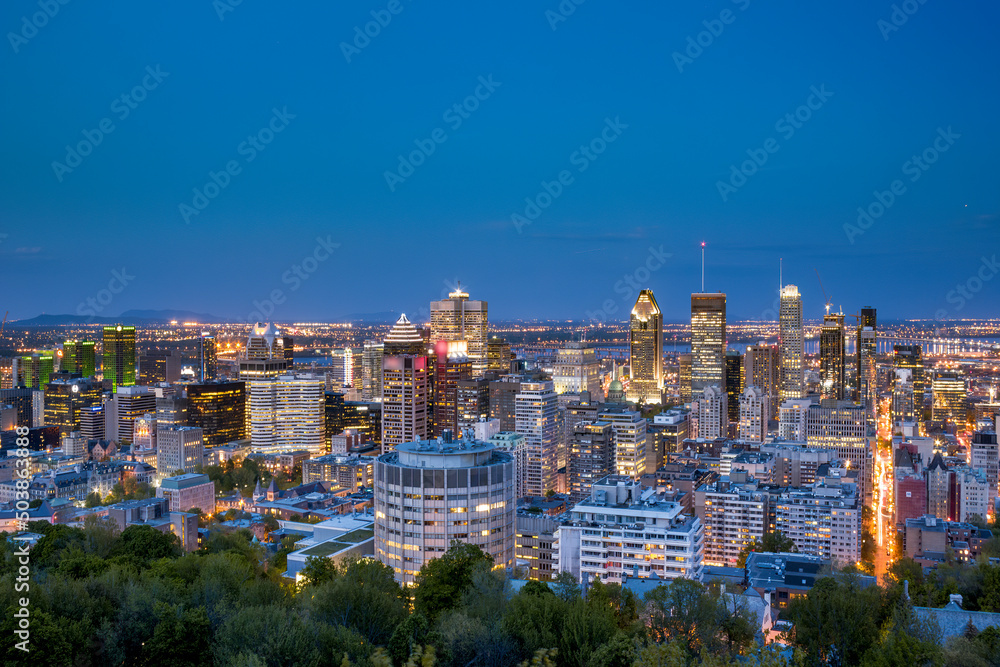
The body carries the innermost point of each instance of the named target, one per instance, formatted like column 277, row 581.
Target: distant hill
column 128, row 317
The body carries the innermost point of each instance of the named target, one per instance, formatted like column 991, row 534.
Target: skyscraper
column 498, row 355
column 831, row 356
column 866, row 346
column 287, row 413
column 118, row 360
column 646, row 350
column 754, row 409
column 536, row 405
column 790, row 344
column 734, row 383
column 219, row 410
column 405, row 386
column 591, row 456
column 708, row 342
column 265, row 354
column 458, row 318
column 64, row 399
column 910, row 356
column 33, row 370
column 684, row 377
column 762, row 369
column 208, row 357
column 577, row 369
column 371, row 370
column 79, row 357
column 451, row 365
column 159, row 366
column 949, row 395
column 131, row 402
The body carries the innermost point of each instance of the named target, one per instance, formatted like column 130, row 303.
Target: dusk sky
column 338, row 118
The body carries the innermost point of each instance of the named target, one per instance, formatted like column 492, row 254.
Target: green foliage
column 774, row 542
column 442, row 581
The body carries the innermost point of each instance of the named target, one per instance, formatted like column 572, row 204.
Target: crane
column 825, row 295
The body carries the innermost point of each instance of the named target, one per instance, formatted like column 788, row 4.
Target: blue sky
column 552, row 92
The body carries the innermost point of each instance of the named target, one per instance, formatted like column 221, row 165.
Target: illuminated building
column 371, row 370
column 577, row 369
column 734, row 511
column 65, row 398
column 365, row 418
column 118, row 356
column 984, row 456
column 473, row 402
column 33, row 370
column 975, row 494
column 219, row 410
column 948, row 395
column 287, row 413
column 346, row 368
column 911, row 357
column 451, row 366
column 265, row 355
column 792, row 419
column 92, row 422
column 646, row 350
column 144, row 432
column 684, row 377
column 754, row 409
column 670, row 544
column 842, row 426
column 630, row 440
column 513, row 444
column 429, row 493
column 790, row 344
column 536, row 406
column 866, row 349
column 823, row 519
column 188, row 491
column 903, row 401
column 172, row 410
column 404, row 338
column 131, row 402
column 157, row 366
column 831, row 356
column 708, row 342
column 208, row 360
column 333, row 413
column 348, row 472
column 762, row 369
column 179, row 448
column 406, row 410
column 734, row 384
column 498, row 355
column 940, row 489
column 79, row 357
column 457, row 318
column 591, row 456
column 796, row 464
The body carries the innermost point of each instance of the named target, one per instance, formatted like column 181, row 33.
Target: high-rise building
column 577, row 369
column 451, row 366
column 157, row 366
column 131, row 402
column 843, row 427
column 708, row 342
column 118, row 356
column 986, row 456
column 831, row 356
column 498, row 355
column 405, row 386
column 903, row 403
column 371, row 370
column 822, row 520
column 536, row 407
column 208, row 359
column 346, row 369
column 646, row 350
column 790, row 343
column 348, row 472
column 458, row 318
column 734, row 383
column 949, row 397
column 475, row 483
column 64, row 399
column 144, row 432
column 219, row 410
column 734, row 511
column 404, row 338
column 866, row 348
column 630, row 440
column 911, row 357
column 940, row 488
column 92, row 423
column 473, row 402
column 287, row 413
column 713, row 413
column 265, row 355
column 684, row 377
column 762, row 369
column 172, row 410
column 754, row 410
column 591, row 456
column 33, row 370
column 179, row 448
column 79, row 357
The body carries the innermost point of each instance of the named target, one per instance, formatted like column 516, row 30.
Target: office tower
column 911, row 357
column 79, row 357
column 984, row 455
column 131, row 403
column 646, row 350
column 172, row 410
column 498, row 355
column 754, row 409
column 458, row 318
column 179, row 448
column 734, row 511
column 843, row 427
column 790, row 344
column 713, row 413
column 265, row 355
column 118, row 356
column 513, row 444
column 903, row 403
column 287, row 413
column 577, row 369
column 684, row 377
column 371, row 370
column 536, row 407
column 157, row 366
column 476, row 485
column 451, row 366
column 92, row 423
column 734, row 384
column 403, row 338
column 831, row 356
column 948, row 395
column 345, row 369
column 792, row 419
column 405, row 386
column 866, row 348
column 208, row 359
column 708, row 342
column 65, row 398
column 144, row 432
column 762, row 369
column 333, row 414
column 940, row 484
column 591, row 456
column 33, row 370
column 219, row 410
column 473, row 402
column 503, row 396
column 630, row 440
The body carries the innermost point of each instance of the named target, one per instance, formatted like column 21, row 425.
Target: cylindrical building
column 428, row 493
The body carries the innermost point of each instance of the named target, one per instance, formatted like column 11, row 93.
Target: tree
column 93, row 500
column 442, row 581
column 682, row 610
column 906, row 641
column 359, row 594
column 838, row 619
column 141, row 544
column 772, row 542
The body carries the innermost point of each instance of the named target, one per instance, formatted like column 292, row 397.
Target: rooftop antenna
column 779, row 275
column 702, row 267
